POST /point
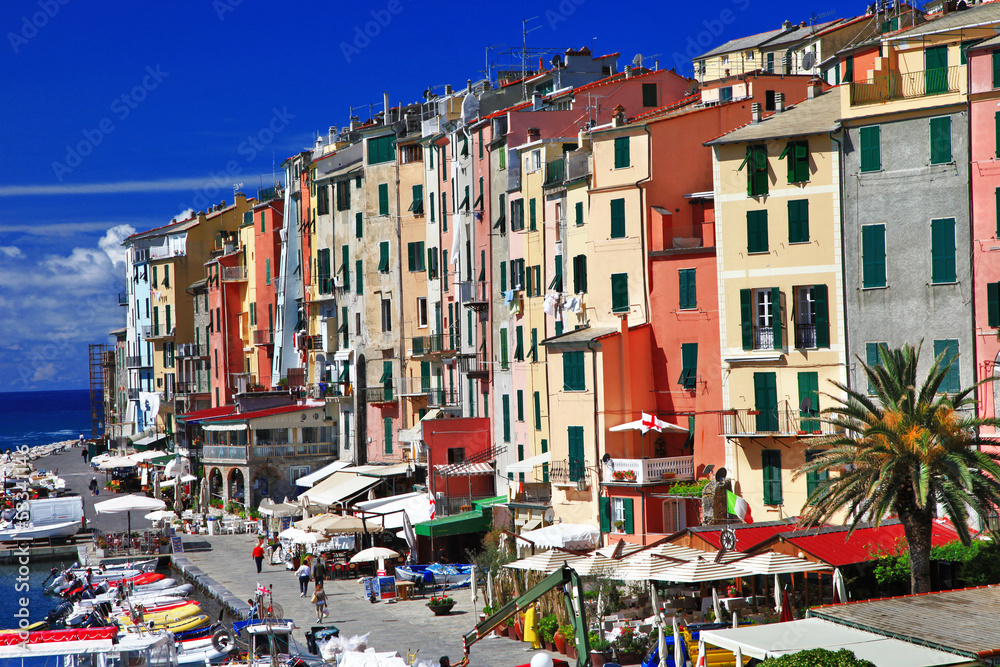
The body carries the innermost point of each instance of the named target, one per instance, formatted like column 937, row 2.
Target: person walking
column 84, row 453
column 258, row 554
column 319, row 571
column 319, row 598
column 304, row 571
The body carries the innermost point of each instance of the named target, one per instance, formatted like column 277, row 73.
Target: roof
column 799, row 33
column 198, row 284
column 473, row 521
column 832, row 545
column 178, row 226
column 993, row 41
column 267, row 412
column 345, row 157
column 338, row 487
column 208, row 413
column 985, row 14
column 118, row 332
column 819, row 115
column 747, row 535
column 931, row 619
column 775, row 639
column 316, row 476
column 463, row 468
column 742, row 43
column 581, row 336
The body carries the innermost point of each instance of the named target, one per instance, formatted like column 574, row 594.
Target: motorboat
column 43, row 518
column 436, row 574
column 86, row 646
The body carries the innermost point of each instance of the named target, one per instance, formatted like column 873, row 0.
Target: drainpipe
column 597, row 431
column 399, row 297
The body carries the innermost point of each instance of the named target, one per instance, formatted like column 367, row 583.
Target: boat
column 46, row 517
column 161, row 615
column 436, row 574
column 86, row 646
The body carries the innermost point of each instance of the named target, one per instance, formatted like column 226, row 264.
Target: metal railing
column 135, row 362
column 568, row 471
column 232, row 273
column 263, row 337
column 187, row 387
column 805, row 335
column 474, row 366
column 650, row 471
column 267, row 194
column 555, row 172
column 224, row 452
column 294, row 449
column 763, row 338
column 473, row 292
column 439, row 343
column 906, row 85
column 774, row 421
column 380, row 394
column 192, row 350
column 444, row 398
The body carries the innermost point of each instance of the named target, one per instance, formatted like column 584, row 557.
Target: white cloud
column 114, row 187
column 70, row 228
column 44, row 373
column 111, row 244
column 11, row 251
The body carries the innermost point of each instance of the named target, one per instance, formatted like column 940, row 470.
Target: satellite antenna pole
column 524, row 55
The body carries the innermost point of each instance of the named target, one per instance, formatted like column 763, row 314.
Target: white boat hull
column 29, row 532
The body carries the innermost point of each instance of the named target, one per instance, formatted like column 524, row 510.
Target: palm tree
column 904, row 451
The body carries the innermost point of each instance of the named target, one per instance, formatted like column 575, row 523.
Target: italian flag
column 738, row 506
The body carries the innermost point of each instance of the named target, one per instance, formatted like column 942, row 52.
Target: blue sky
column 115, row 118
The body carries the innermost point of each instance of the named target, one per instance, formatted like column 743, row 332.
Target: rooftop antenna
column 815, row 16
column 524, row 54
column 489, row 68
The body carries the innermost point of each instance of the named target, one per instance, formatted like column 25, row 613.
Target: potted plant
column 441, row 605
column 567, row 634
column 547, row 628
column 620, row 525
column 598, row 650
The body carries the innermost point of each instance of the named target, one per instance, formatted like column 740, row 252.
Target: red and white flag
column 433, row 504
column 262, row 590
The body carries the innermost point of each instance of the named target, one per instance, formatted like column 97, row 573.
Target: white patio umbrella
column 677, row 551
column 117, row 462
column 735, row 622
column 374, row 553
column 661, row 642
column 777, row 594
column 489, row 588
column 839, row 587
column 626, row 549
column 129, row 504
column 697, row 571
column 716, row 606
column 702, row 658
column 594, row 564
column 643, row 566
column 775, row 563
column 473, row 588
column 648, row 423
column 678, row 651
column 739, row 656
column 161, row 515
column 547, row 561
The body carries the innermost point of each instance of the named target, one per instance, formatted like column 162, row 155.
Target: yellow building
column 778, row 229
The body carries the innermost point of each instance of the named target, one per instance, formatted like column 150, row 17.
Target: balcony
column 189, row 350
column 475, row 366
column 275, row 451
column 267, row 194
column 571, row 473
column 763, row 338
column 133, row 394
column 224, row 453
column 185, row 388
column 650, row 471
column 906, row 85
column 555, row 172
column 159, row 333
column 380, row 395
column 805, row 336
column 231, row 274
column 122, row 299
column 311, row 342
column 775, row 422
column 432, row 345
column 263, row 337
column 444, row 398
column 135, row 362
column 475, row 295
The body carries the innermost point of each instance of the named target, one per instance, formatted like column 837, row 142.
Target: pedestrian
column 84, row 453
column 304, row 571
column 319, row 571
column 93, row 486
column 258, row 555
column 319, row 598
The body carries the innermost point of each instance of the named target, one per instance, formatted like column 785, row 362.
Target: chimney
column 534, row 134
column 385, row 108
column 618, row 119
column 628, row 71
column 447, row 89
column 656, row 65
column 803, row 24
column 779, row 102
column 468, row 86
column 815, row 89
column 536, row 101
column 354, row 123
column 487, row 85
column 755, row 112
column 583, row 140
column 787, row 25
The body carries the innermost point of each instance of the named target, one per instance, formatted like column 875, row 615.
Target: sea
column 36, row 418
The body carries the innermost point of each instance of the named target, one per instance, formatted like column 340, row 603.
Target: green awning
column 486, row 502
column 475, row 521
column 162, row 460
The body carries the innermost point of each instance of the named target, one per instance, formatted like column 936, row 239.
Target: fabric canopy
column 775, row 563
column 336, row 524
column 129, row 504
column 776, row 639
column 474, row 521
column 318, row 476
column 270, row 508
column 565, row 536
column 173, row 482
column 528, row 464
column 338, row 487
column 224, row 427
column 547, row 561
column 417, row 507
column 462, row 469
column 696, row 571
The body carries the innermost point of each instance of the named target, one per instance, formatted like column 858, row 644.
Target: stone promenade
column 399, row 626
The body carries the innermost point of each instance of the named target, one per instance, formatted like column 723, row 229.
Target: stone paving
column 399, row 626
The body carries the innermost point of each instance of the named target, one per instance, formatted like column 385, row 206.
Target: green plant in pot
column 547, row 627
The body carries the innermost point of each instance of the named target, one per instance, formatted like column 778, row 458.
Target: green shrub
column 568, row 632
column 547, row 627
column 819, row 657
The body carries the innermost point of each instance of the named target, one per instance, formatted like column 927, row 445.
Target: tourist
column 446, row 662
column 319, row 598
column 84, row 453
column 319, row 571
column 258, row 555
column 304, row 571
column 253, row 608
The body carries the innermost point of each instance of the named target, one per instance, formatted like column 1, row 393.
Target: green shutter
column 388, row 435
column 993, row 304
column 574, row 377
column 503, row 349
column 822, row 321
column 996, row 71
column 538, row 411
column 346, row 265
column 771, row 467
column 688, row 289
column 430, row 202
column 519, row 343
column 444, row 271
column 503, row 276
column 156, row 320
column 622, row 157
column 871, row 148
column 952, row 380
column 814, row 479
column 267, row 270
column 936, row 69
column 943, row 250
column 746, row 318
column 798, row 162
column 470, row 331
column 577, row 460
column 520, row 405
column 410, row 262
column 873, row 255
column 756, row 161
column 809, row 389
column 359, row 278
column 578, row 208
column 872, row 359
column 383, row 257
column 532, row 215
column 757, row 231
column 941, row 140
column 798, row 221
column 617, row 218
column 689, row 366
column 996, row 194
column 579, row 274
column 765, row 390
column 627, row 506
column 778, row 318
column 533, row 351
column 383, row 199
column 605, row 514
column 619, row 293
column 506, row 417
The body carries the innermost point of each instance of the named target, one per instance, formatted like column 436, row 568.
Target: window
column 465, row 200
column 871, row 148
column 422, row 312
column 267, row 271
column 503, row 276
column 688, row 289
column 649, row 94
column 343, row 195
column 617, row 218
column 415, row 256
column 359, row 278
column 444, row 271
column 577, row 458
column 383, row 257
column 949, row 349
column 941, row 140
column 756, row 164
column 505, row 409
column 622, row 518
column 430, row 202
column 386, row 380
column 689, row 366
column 814, row 479
column 771, row 466
column 456, row 454
column 619, row 293
column 536, row 160
column 533, row 350
column 849, row 69
column 996, row 69
column 322, row 200
column 769, row 100
column 417, row 205
column 386, row 315
column 574, row 378
column 388, row 434
column 760, row 318
column 517, row 274
column 579, row 274
column 557, row 279
column 808, row 402
column 262, row 229
column 798, row 221
column 532, row 216
column 757, row 231
column 383, row 199
column 622, row 158
column 538, row 411
column 873, row 256
column 519, row 343
column 943, row 250
column 520, row 405
column 872, row 358
column 726, row 94
column 796, row 154
column 323, row 270
column 411, row 153
column 993, row 304
column 516, row 215
column 504, row 360
column 578, row 213
column 432, row 263
column 501, row 223
column 381, row 149
column 812, row 318
column 936, row 69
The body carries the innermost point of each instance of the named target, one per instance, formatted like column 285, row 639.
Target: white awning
column 150, row 439
column 338, row 487
column 380, row 471
column 564, row 535
column 171, row 482
column 460, row 469
column 776, row 639
column 416, row 505
column 343, row 355
column 416, row 433
column 528, row 464
column 319, row 475
column 224, row 427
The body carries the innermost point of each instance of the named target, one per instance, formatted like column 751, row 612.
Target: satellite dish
column 637, row 61
column 557, row 60
column 809, row 60
column 606, row 458
column 427, row 94
column 692, row 88
column 806, row 406
column 550, row 515
column 470, row 108
column 720, row 475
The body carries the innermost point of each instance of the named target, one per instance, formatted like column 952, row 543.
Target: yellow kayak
column 179, row 625
column 167, row 616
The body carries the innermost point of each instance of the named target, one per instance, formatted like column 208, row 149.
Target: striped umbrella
column 547, row 561
column 701, row 570
column 643, row 566
column 774, row 563
column 627, row 548
column 594, row 564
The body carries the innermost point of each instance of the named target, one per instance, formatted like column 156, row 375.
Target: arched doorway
column 266, row 484
column 215, row 488
column 236, row 485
